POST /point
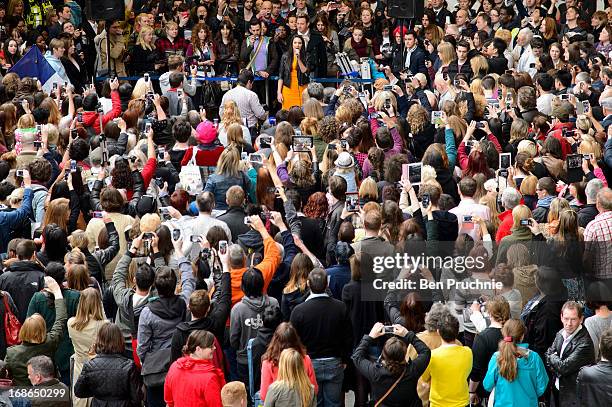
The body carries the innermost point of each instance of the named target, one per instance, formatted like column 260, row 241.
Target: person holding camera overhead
column 293, row 74
column 393, row 380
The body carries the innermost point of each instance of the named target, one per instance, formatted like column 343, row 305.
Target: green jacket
column 17, row 356
column 40, row 304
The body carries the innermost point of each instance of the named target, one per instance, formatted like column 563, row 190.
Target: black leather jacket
column 577, row 353
column 594, row 385
column 284, row 71
column 112, row 380
column 130, row 208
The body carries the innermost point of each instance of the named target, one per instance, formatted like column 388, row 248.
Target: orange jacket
column 269, row 264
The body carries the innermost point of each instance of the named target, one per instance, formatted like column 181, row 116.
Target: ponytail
column 513, row 332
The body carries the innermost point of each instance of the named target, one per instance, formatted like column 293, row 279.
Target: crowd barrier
column 234, row 79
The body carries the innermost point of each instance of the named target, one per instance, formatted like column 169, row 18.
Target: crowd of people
column 170, row 240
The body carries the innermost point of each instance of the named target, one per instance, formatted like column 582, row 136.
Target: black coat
column 313, row 232
column 22, row 279
column 381, row 379
column 594, row 387
column 454, row 70
column 543, row 323
column 112, row 380
column 234, row 218
column 284, row 71
column 363, row 314
column 498, row 65
column 417, row 62
column 578, row 352
column 316, row 55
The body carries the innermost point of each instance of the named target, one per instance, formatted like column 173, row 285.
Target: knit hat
column 206, row 132
column 344, row 160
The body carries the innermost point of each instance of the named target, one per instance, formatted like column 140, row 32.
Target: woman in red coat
column 193, row 380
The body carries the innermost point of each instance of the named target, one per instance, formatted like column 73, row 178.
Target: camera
column 388, row 329
column 425, row 200
column 147, row 236
column 222, row 246
column 195, row 239
column 467, row 218
column 97, row 215
column 176, row 234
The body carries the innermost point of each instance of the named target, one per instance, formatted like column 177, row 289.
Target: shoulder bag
column 11, row 323
column 393, row 386
column 190, row 176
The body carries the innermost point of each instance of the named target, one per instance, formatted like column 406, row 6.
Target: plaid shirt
column 179, row 46
column 598, row 245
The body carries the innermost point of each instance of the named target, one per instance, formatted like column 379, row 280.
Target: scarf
column 361, row 47
column 545, row 202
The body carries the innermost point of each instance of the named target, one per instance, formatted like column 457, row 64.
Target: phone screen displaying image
column 414, row 173
column 302, row 143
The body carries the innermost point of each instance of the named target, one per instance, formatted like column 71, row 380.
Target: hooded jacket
column 22, row 280
column 530, row 383
column 214, row 321
column 92, row 119
column 524, row 281
column 245, row 320
column 193, row 382
column 158, row 320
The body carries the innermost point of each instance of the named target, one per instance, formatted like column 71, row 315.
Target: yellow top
column 448, row 372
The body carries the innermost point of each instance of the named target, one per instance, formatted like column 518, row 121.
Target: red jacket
column 92, row 119
column 505, row 225
column 193, row 383
column 557, row 132
column 207, row 157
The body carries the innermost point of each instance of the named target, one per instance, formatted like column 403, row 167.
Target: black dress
column 143, row 60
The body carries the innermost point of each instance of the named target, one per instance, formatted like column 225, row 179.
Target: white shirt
column 526, row 59
column 544, row 103
column 248, row 104
column 468, row 206
column 566, row 340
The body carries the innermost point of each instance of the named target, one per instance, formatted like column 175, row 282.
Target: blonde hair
column 458, row 125
column 234, row 134
column 26, row 122
column 78, row 239
column 231, row 114
column 75, row 256
column 344, row 114
column 479, row 65
column 150, row 222
column 229, row 162
column 589, row 145
column 518, row 130
column 557, row 205
column 368, row 188
column 528, row 185
column 141, row 38
column 518, row 213
column 428, row 173
column 89, row 309
column 310, row 126
column 380, row 101
column 476, row 87
column 528, row 147
column 292, row 374
column 141, row 88
column 504, row 34
column 33, row 330
column 446, row 52
column 417, row 118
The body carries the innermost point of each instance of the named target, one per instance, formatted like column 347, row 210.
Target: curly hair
column 328, row 129
column 122, row 175
column 394, row 355
column 317, row 206
column 417, row 118
column 301, row 174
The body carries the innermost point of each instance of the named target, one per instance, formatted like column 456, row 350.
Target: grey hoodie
column 188, row 86
column 245, row 320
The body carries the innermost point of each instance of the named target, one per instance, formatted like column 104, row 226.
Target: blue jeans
column 330, row 374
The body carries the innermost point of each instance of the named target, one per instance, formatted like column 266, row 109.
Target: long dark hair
column 231, row 42
column 289, row 51
column 284, row 337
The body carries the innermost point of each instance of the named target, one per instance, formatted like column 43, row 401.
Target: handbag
column 393, row 386
column 190, row 176
column 11, row 323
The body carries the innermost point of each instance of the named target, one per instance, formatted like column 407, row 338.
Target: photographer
column 393, row 380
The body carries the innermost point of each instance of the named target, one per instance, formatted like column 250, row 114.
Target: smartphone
column 301, row 143
column 505, row 160
column 195, row 239
column 587, row 156
column 344, row 144
column 480, row 125
column 436, row 118
column 272, row 121
column 19, row 173
column 265, row 141
column 247, row 220
column 457, row 83
column 179, row 93
column 532, row 65
column 256, row 158
column 244, row 156
column 467, row 218
column 37, row 144
column 73, row 166
column 565, row 96
column 80, row 117
column 97, row 215
column 54, row 87
column 331, row 146
column 585, row 106
column 525, row 222
column 425, row 200
column 352, row 202
column 147, row 236
column 388, row 88
column 222, row 246
column 414, row 173
column 159, row 181
column 388, row 329
column 146, row 78
column 176, row 234
column 160, row 153
column 147, row 127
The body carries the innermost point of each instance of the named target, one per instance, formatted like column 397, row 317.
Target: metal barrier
column 234, row 79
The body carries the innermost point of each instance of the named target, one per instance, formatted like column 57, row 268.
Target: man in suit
column 413, row 57
column 316, row 54
column 571, row 350
column 324, row 326
column 441, row 12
